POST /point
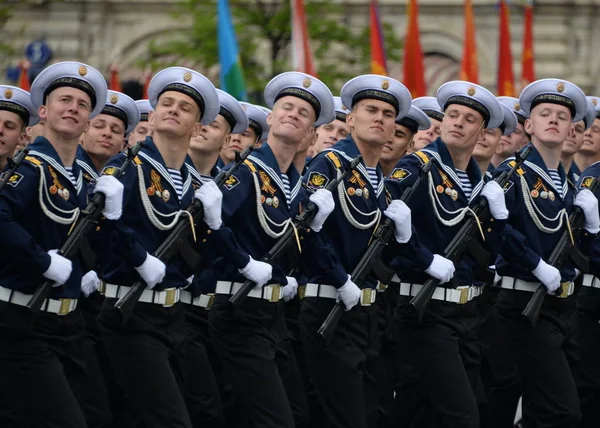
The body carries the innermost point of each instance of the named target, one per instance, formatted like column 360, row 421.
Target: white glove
column 113, row 189
column 349, row 293
column 495, row 196
column 548, row 275
column 289, row 291
column 441, row 269
column 59, row 270
column 588, row 203
column 323, row 199
column 212, row 200
column 257, row 272
column 152, row 271
column 90, row 283
column 400, row 213
column 189, row 281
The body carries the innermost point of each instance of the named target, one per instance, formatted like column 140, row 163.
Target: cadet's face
column 574, row 140
column 35, row 131
column 462, row 127
column 139, row 133
column 331, row 133
column 67, row 112
column 427, row 136
column 237, row 143
column 373, row 121
column 291, row 119
column 591, row 140
column 395, row 148
column 211, row 136
column 11, row 128
column 487, row 145
column 105, row 137
column 511, row 143
column 176, row 115
column 549, row 124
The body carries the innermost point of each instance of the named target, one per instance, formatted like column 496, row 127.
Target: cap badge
column 517, row 107
column 385, row 84
column 306, row 83
column 8, row 94
column 560, row 87
column 187, row 76
column 82, row 71
column 114, row 99
column 471, row 91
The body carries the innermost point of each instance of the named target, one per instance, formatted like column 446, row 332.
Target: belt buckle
column 562, row 292
column 211, row 300
column 301, row 291
column 275, row 289
column 171, row 297
column 381, row 286
column 65, row 306
column 102, row 288
column 464, row 294
column 366, row 296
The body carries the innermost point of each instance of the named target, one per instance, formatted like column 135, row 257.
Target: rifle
column 370, row 262
column 178, row 235
column 13, row 164
column 465, row 236
column 563, row 251
column 301, row 222
column 78, row 234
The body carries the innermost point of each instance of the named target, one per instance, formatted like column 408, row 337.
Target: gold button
column 492, row 220
column 209, row 231
column 489, row 229
column 97, row 228
column 204, row 240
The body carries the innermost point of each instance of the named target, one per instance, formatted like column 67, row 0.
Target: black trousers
column 443, row 351
column 546, row 357
column 148, row 357
column 42, row 369
column 343, row 371
column 246, row 344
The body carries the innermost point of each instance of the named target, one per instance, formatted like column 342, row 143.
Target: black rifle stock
column 13, row 164
column 564, row 250
column 466, row 234
column 370, row 262
column 301, row 222
column 78, row 235
column 180, row 232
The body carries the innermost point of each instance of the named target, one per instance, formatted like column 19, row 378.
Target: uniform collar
column 84, row 160
column 189, row 163
column 536, row 163
column 43, row 149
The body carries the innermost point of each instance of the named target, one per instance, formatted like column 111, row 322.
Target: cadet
column 443, row 349
column 588, row 151
column 432, row 109
column 43, row 363
column 16, row 113
column 143, row 129
column 330, row 133
column 257, row 130
column 147, row 353
column 574, row 142
column 539, row 200
column 513, row 142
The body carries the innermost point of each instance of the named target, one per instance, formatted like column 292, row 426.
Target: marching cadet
column 443, row 349
column 587, row 153
column 330, row 133
column 147, row 352
column 43, row 363
column 143, row 128
column 16, row 113
column 512, row 143
column 424, row 137
column 203, row 397
column 266, row 184
column 540, row 199
column 574, row 142
column 342, row 372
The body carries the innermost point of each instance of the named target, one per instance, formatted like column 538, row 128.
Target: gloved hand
column 212, row 200
column 189, row 281
column 400, row 213
column 152, row 271
column 441, row 269
column 548, row 275
column 90, row 283
column 495, row 196
column 349, row 293
column 323, row 199
column 59, row 270
column 588, row 203
column 258, row 272
column 113, row 190
column 291, row 288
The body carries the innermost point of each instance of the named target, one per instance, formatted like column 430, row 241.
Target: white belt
column 273, row 293
column 204, row 300
column 565, row 289
column 166, row 298
column 591, row 281
column 53, row 306
column 367, row 295
column 460, row 295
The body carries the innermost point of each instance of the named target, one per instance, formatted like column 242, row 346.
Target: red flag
column 147, row 79
column 527, row 67
column 302, row 59
column 24, row 75
column 412, row 65
column 115, row 83
column 506, row 79
column 469, row 69
column 378, row 61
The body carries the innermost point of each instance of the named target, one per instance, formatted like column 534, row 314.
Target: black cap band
column 374, row 94
column 555, row 99
column 186, row 90
column 17, row 109
column 340, row 116
column 72, row 82
column 256, row 126
column 411, row 124
column 144, row 117
column 434, row 114
column 597, row 114
column 502, row 127
column 471, row 103
column 116, row 112
column 228, row 116
column 520, row 118
column 303, row 95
